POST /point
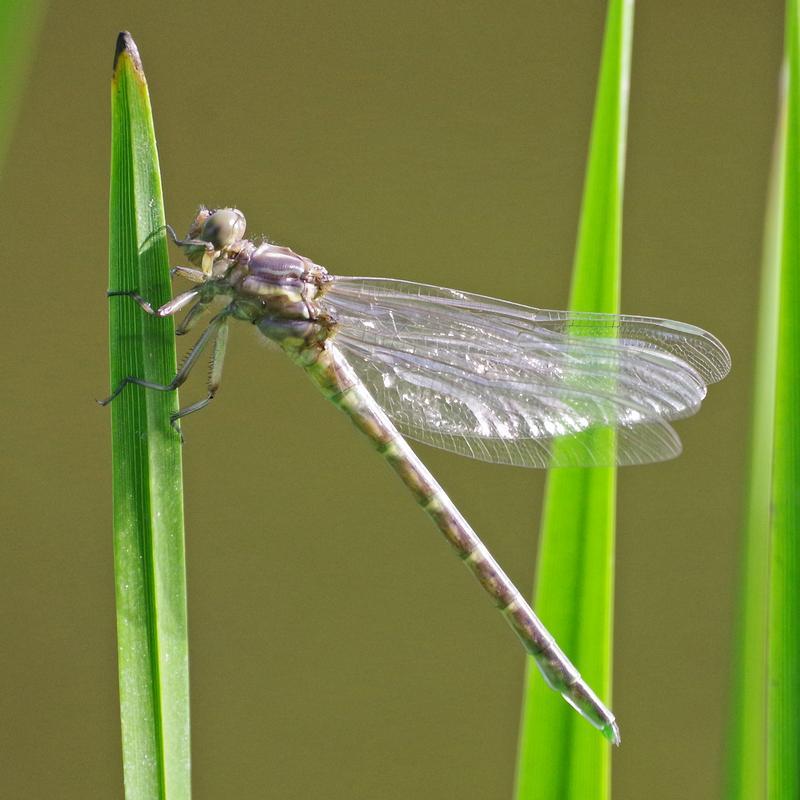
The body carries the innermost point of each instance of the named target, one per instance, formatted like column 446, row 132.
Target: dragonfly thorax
column 270, row 286
column 276, row 289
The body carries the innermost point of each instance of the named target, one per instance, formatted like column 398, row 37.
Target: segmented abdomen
column 338, row 382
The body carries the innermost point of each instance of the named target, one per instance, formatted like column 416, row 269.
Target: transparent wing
column 517, row 385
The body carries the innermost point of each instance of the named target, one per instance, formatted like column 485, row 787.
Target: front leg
column 168, row 309
column 190, row 273
column 209, row 253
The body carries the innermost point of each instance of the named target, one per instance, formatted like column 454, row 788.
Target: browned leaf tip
column 126, row 45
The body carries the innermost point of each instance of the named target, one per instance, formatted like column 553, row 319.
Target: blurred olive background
column 338, row 649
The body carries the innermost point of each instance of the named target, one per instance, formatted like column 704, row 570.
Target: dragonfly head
column 222, row 227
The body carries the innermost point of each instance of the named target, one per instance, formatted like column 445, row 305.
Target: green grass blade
column 746, row 752
column 19, row 24
column 148, row 507
column 783, row 692
column 560, row 756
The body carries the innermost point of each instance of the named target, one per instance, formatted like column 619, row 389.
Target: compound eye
column 223, row 227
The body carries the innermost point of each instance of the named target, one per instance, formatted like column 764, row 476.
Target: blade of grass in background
column 747, row 737
column 19, row 25
column 147, row 483
column 783, row 692
column 560, row 756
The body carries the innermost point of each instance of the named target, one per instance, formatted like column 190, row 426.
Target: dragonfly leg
column 214, row 375
column 167, row 310
column 190, row 273
column 172, row 235
column 183, row 242
column 208, row 255
column 136, row 296
column 183, row 373
column 188, row 322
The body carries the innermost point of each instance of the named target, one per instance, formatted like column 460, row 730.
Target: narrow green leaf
column 19, row 25
column 147, row 483
column 783, row 692
column 747, row 737
column 560, row 756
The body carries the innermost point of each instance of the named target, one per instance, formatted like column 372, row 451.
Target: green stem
column 783, row 685
column 560, row 757
column 147, row 484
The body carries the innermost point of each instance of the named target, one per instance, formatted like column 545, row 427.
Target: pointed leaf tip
column 126, row 45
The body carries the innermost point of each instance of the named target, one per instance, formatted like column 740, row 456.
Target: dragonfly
column 484, row 378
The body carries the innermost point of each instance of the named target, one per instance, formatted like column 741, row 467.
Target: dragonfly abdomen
column 339, row 383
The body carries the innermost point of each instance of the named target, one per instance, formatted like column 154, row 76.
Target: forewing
column 511, row 384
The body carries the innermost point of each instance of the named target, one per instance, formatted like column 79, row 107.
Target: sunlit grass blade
column 560, row 756
column 19, row 24
column 746, row 778
column 147, row 484
column 783, row 685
